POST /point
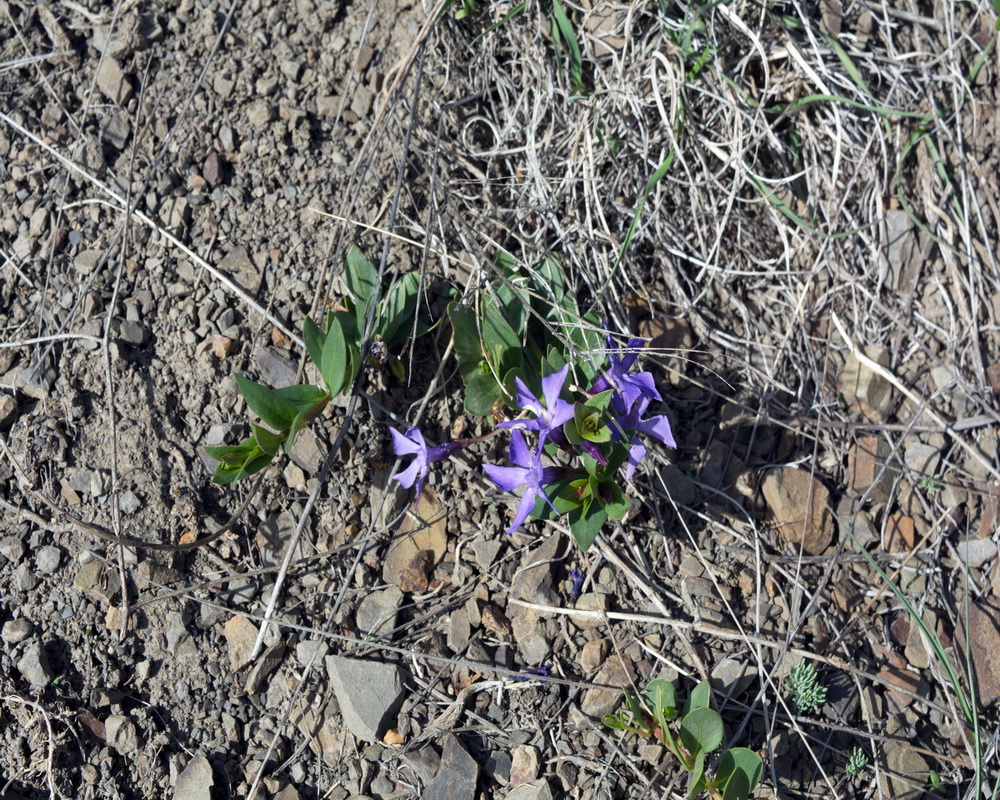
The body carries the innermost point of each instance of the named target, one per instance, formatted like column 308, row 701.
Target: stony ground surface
column 413, row 642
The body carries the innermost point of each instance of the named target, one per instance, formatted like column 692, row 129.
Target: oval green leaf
column 701, row 730
column 273, row 409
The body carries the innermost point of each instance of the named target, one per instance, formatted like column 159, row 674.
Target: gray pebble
column 12, row 548
column 16, row 631
column 129, row 503
column 47, row 559
column 34, row 666
column 132, row 333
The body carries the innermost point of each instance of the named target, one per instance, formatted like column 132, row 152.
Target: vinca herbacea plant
column 699, row 732
column 578, row 414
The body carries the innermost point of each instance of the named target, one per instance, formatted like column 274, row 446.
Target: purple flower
column 628, row 388
column 576, row 577
column 412, row 443
column 542, row 672
column 552, row 415
column 657, row 427
column 529, row 473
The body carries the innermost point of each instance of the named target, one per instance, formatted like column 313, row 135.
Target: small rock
column 922, row 459
column 239, row 265
column 47, row 559
column 865, row 464
column 535, row 790
column 97, row 583
column 241, row 635
column 486, row 551
column 591, row 602
column 863, row 390
column 113, row 83
column 294, row 477
column 266, row 664
column 12, row 548
column 732, row 677
column 211, row 170
column 534, row 582
column 598, row 701
column 592, row 655
column 120, row 733
column 976, row 552
column 288, row 793
column 175, row 212
column 984, row 648
column 800, row 505
column 132, row 333
column 25, row 578
column 222, row 346
column 425, row 762
column 910, row 766
column 899, row 535
column 532, row 643
column 369, row 694
column 376, row 613
column 196, row 781
column 87, row 482
column 424, row 530
column 34, row 666
column 16, row 631
column 261, row 113
column 459, row 630
column 308, row 452
column 117, row 130
column 276, row 370
column 456, row 779
column 8, row 411
column 86, row 260
column 311, row 651
column 128, row 503
column 524, row 765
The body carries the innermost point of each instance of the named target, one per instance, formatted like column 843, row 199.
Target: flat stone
column 308, row 452
column 288, row 793
column 121, row 734
column 196, row 781
column 598, row 701
column 425, row 762
column 129, row 503
column 976, row 552
column 899, row 535
column 535, row 790
column 34, row 666
column 87, row 482
column 422, row 531
column 524, row 765
column 533, row 582
column 241, row 635
column 86, row 260
column 865, row 473
column 276, row 370
column 113, row 83
column 456, row 779
column 240, row 266
column 376, row 613
column 12, row 548
column 532, row 643
column 274, row 536
column 369, row 693
column 732, row 677
column 911, row 767
column 89, row 580
column 268, row 662
column 117, row 130
column 311, row 651
column 864, row 391
column 800, row 506
column 459, row 630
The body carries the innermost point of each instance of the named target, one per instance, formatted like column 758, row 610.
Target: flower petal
column 659, row 428
column 525, row 399
column 409, row 475
column 507, row 478
column 552, row 386
column 520, row 453
column 403, row 445
column 523, row 509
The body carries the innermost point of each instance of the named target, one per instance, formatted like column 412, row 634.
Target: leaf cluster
column 335, row 348
column 524, row 325
column 699, row 732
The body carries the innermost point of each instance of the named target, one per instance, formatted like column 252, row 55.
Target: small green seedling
column 807, row 692
column 699, row 732
column 856, row 762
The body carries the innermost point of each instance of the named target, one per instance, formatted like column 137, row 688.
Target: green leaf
column 701, row 729
column 661, row 696
column 297, row 425
column 400, row 307
column 600, row 401
column 231, row 454
column 561, row 27
column 587, row 524
column 696, row 781
column 361, row 277
column 700, row 697
column 498, row 336
column 313, row 337
column 613, row 722
column 271, row 407
column 619, row 504
column 737, row 787
column 255, row 465
column 740, row 760
column 304, row 397
column 333, row 364
column 465, row 338
column 481, row 392
column 266, row 440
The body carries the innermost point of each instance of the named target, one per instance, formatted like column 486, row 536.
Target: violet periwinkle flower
column 576, row 578
column 412, row 443
column 529, row 473
column 657, row 427
column 628, row 388
column 548, row 417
